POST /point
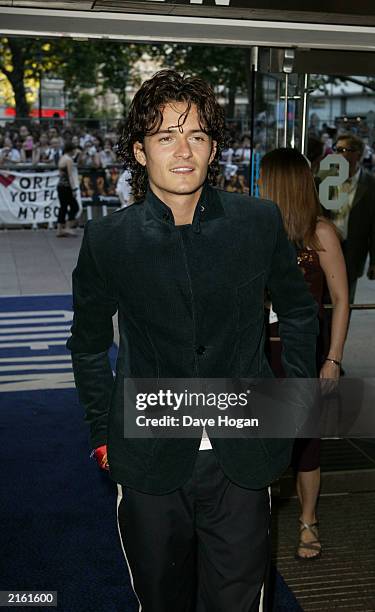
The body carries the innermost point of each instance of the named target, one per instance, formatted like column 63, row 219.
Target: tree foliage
column 219, row 66
column 321, row 82
column 110, row 65
column 81, row 64
column 22, row 59
column 117, row 67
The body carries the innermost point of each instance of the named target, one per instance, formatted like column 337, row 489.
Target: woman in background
column 286, row 178
column 67, row 189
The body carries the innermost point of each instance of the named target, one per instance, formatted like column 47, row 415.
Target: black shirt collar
column 208, row 207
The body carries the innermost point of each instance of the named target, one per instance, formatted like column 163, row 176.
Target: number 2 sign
column 334, row 180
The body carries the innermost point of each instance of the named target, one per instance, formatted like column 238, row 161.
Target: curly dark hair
column 146, row 116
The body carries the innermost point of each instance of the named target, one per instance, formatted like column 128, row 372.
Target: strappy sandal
column 313, row 545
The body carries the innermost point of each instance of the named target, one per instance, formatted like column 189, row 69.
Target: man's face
column 176, row 161
column 345, row 148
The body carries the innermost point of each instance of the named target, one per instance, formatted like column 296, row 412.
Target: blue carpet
column 57, row 509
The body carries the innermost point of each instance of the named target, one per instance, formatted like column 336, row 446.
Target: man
column 356, row 219
column 186, row 267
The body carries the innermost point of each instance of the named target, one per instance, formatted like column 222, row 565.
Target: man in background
column 356, row 219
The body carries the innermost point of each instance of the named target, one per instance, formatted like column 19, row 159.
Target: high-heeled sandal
column 313, row 545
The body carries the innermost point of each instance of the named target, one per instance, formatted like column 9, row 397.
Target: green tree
column 117, row 71
column 26, row 58
column 321, row 81
column 83, row 105
column 219, row 66
column 81, row 64
column 18, row 61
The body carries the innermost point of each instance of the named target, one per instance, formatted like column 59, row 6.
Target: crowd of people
column 43, row 144
column 57, row 144
column 329, row 134
column 93, row 152
column 95, row 148
column 235, row 158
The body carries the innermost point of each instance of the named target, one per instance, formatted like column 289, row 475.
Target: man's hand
column 100, row 455
column 371, row 272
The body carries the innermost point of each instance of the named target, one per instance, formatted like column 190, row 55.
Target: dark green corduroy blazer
column 190, row 303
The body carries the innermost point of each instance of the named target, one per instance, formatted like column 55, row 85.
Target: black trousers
column 202, row 548
column 68, row 204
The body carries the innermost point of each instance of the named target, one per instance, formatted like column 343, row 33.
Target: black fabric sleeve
column 91, row 338
column 295, row 307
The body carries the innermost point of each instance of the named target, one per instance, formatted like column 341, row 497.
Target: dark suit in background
column 360, row 240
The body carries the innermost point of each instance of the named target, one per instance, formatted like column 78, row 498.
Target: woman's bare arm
column 333, row 265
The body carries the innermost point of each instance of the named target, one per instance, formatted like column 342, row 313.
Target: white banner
column 28, row 197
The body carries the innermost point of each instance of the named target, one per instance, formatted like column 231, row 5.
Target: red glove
column 100, row 455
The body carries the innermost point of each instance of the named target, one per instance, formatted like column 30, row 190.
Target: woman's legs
column 68, row 206
column 73, row 208
column 308, row 486
column 63, row 193
column 306, row 464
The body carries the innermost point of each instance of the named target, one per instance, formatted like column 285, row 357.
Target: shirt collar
column 209, row 207
column 355, row 178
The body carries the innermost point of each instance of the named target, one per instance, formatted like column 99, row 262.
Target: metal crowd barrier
column 102, row 203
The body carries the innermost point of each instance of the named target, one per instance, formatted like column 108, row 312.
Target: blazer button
column 200, row 350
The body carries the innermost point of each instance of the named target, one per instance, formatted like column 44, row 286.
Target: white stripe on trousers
column 261, row 602
column 119, row 498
